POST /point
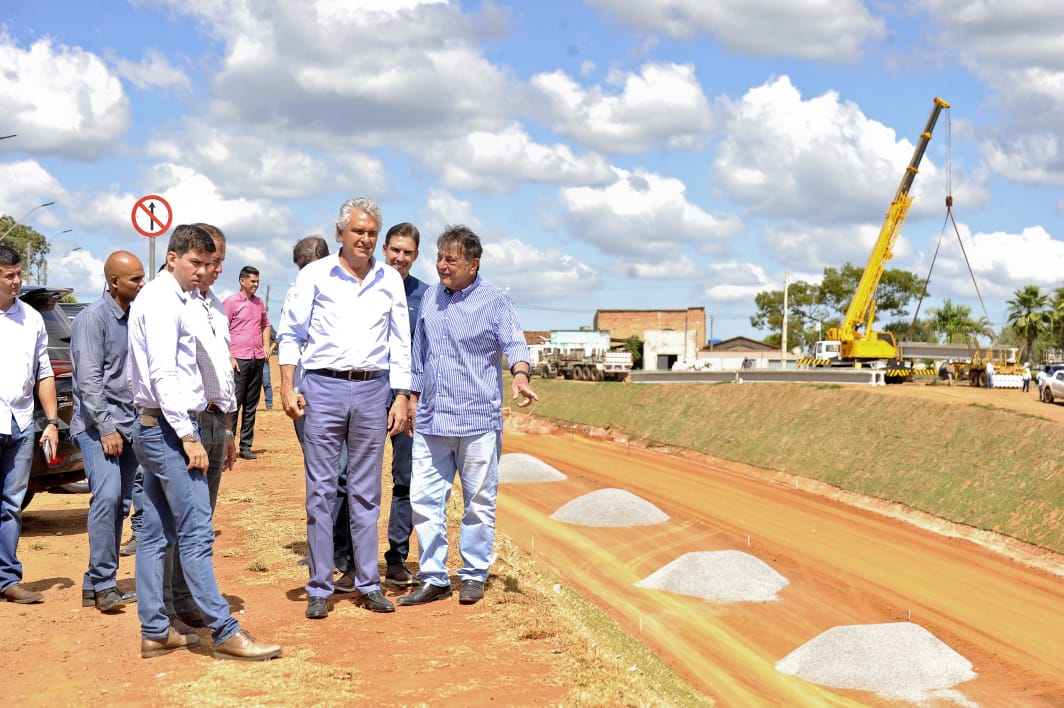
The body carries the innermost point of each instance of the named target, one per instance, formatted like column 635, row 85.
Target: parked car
column 1053, row 387
column 68, row 466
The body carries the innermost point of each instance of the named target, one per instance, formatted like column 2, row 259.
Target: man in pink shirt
column 249, row 332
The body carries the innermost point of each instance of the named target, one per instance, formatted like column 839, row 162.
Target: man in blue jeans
column 464, row 329
column 168, row 393
column 26, row 367
column 102, row 424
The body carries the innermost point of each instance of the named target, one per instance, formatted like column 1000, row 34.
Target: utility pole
column 783, row 339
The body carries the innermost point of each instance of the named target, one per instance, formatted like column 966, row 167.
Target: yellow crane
column 857, row 341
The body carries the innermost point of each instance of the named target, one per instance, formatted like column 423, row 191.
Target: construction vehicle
column 1007, row 365
column 583, row 355
column 855, row 342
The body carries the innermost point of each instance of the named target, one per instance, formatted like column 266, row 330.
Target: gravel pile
column 517, row 467
column 610, row 507
column 718, row 576
column 901, row 661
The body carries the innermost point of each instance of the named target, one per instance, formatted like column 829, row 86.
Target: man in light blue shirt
column 464, row 329
column 102, row 424
column 346, row 322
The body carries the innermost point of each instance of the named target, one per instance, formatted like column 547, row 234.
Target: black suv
column 68, row 465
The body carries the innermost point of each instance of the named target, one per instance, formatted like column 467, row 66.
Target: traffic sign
column 155, row 213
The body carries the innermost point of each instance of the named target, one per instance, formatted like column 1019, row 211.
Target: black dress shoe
column 376, row 602
column 317, row 609
column 109, row 600
column 472, row 591
column 426, row 593
column 397, row 575
column 248, row 455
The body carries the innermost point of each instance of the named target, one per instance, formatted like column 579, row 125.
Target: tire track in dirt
column 845, row 566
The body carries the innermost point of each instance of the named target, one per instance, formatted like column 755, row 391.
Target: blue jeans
column 214, row 435
column 400, row 523
column 16, row 455
column 436, row 460
column 136, row 520
column 111, row 484
column 177, row 508
column 267, row 387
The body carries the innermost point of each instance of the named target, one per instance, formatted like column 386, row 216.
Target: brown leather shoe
column 19, row 594
column 243, row 646
column 345, row 583
column 399, row 576
column 174, row 641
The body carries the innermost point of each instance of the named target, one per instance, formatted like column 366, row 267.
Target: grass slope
column 985, row 467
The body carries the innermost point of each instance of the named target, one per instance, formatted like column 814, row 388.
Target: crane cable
column 948, row 219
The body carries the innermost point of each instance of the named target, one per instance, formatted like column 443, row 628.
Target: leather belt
column 211, row 408
column 150, row 417
column 352, row 375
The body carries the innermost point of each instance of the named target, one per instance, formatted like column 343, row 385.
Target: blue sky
column 610, row 153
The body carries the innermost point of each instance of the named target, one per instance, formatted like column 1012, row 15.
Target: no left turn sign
column 152, row 216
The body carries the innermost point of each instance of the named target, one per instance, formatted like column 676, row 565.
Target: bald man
column 102, row 424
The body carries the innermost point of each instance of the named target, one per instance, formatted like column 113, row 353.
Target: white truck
column 583, row 355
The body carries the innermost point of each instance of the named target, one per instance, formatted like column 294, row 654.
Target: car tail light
column 61, row 367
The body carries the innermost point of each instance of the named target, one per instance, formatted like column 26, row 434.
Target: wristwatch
column 402, row 392
column 190, row 438
column 53, row 421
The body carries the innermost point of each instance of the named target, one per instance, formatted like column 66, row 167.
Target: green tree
column 954, row 321
column 1029, row 314
column 31, row 245
column 634, row 345
column 824, row 304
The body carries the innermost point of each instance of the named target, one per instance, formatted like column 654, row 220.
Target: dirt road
column 845, row 566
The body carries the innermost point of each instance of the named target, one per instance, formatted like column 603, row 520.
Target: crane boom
column 857, row 338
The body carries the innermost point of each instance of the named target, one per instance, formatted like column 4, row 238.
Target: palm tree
column 952, row 320
column 1028, row 314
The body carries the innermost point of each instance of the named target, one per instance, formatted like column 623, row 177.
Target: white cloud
column 643, row 212
column 321, row 71
column 1014, row 48
column 25, row 185
column 671, row 269
column 60, row 100
column 662, row 107
column 1000, row 261
column 736, row 281
column 253, row 164
column 822, row 159
column 153, row 71
column 819, row 30
column 496, row 162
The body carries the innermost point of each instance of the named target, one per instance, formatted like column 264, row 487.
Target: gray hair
column 359, row 204
column 467, row 242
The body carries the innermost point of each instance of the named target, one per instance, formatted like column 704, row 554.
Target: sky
column 611, row 154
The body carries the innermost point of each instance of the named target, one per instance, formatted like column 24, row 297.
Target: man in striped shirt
column 465, row 327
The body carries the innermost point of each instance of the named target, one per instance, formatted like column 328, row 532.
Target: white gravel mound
column 517, row 467
column 718, row 576
column 610, row 507
column 900, row 660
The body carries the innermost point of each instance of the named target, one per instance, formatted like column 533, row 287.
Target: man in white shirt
column 26, row 367
column 212, row 358
column 347, row 323
column 169, row 395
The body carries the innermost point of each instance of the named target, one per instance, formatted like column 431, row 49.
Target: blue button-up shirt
column 99, row 343
column 459, row 343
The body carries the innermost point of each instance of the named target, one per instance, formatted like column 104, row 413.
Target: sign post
column 153, row 225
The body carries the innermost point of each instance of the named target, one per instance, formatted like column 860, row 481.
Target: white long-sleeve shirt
column 331, row 321
column 162, row 352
